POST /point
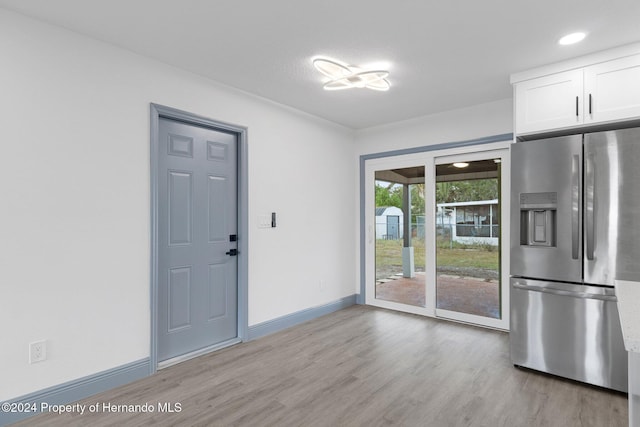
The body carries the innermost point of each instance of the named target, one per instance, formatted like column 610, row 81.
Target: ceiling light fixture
column 571, row 38
column 348, row 76
column 461, row 165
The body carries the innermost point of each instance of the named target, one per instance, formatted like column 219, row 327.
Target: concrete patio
column 456, row 293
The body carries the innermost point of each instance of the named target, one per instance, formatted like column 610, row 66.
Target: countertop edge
column 628, row 295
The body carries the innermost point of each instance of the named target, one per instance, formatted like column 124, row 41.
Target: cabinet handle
column 577, row 113
column 590, row 104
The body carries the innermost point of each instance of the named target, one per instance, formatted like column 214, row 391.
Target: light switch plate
column 264, row 221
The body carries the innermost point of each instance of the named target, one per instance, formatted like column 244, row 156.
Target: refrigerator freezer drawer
column 572, row 331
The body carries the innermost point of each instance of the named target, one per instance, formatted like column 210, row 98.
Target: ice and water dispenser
column 538, row 219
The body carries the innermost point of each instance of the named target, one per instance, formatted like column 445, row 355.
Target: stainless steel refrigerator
column 575, row 215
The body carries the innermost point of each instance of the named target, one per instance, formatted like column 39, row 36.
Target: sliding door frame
column 417, row 157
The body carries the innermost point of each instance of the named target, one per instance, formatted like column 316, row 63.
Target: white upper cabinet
column 549, row 102
column 612, row 90
column 606, row 92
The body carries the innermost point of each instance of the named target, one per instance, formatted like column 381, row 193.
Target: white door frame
column 429, row 159
column 157, row 112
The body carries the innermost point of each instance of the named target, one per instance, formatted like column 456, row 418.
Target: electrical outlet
column 37, row 351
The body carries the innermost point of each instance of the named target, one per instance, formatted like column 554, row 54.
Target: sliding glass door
column 434, row 233
column 396, row 259
column 470, row 193
column 400, row 235
column 468, row 239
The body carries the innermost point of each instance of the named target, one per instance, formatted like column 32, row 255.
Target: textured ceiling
column 441, row 54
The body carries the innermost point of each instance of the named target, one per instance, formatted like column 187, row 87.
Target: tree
column 467, row 191
column 417, row 199
column 392, row 194
column 388, row 195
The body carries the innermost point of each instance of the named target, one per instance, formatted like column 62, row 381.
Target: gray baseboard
column 75, row 390
column 284, row 322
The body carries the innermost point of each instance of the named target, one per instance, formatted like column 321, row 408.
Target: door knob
column 232, row 252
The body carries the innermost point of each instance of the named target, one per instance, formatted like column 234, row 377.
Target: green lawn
column 389, row 253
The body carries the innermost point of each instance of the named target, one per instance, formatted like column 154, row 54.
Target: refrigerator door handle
column 590, row 205
column 575, row 207
column 582, row 295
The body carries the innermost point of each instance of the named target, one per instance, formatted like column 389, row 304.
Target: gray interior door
column 197, row 222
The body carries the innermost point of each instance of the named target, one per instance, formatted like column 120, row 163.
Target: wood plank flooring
column 361, row 366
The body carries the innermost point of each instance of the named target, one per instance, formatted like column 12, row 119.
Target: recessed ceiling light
column 461, row 165
column 572, row 38
column 344, row 76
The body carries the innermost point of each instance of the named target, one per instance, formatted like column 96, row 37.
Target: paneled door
column 197, row 242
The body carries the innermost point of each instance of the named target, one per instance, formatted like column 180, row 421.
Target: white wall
column 74, row 213
column 493, row 118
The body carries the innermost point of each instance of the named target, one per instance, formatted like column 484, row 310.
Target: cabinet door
column 612, row 90
column 549, row 102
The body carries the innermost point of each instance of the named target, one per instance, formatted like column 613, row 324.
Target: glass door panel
column 400, row 236
column 468, row 237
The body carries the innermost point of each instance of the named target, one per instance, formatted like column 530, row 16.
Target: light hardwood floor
column 360, row 366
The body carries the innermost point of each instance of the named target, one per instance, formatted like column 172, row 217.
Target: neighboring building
column 470, row 222
column 389, row 223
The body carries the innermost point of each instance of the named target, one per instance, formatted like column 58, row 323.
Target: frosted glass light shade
column 347, row 77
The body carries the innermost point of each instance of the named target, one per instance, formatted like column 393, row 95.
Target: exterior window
column 477, row 221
